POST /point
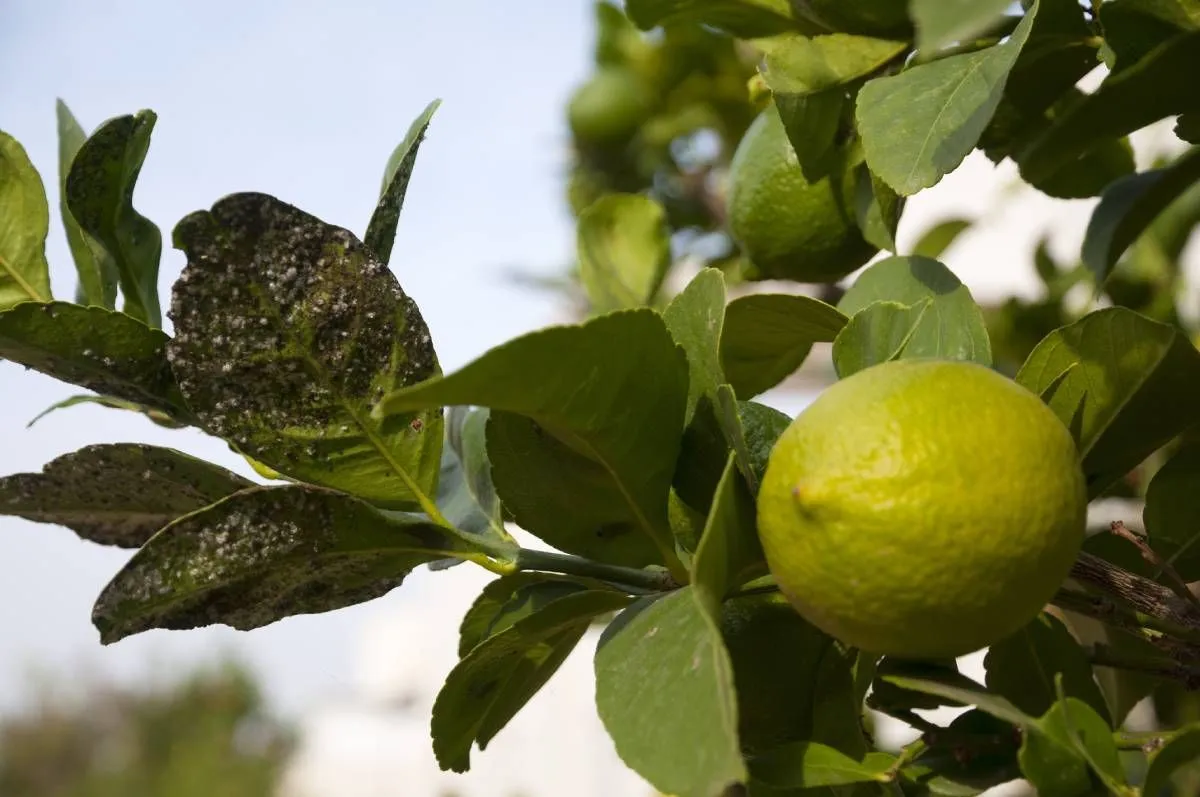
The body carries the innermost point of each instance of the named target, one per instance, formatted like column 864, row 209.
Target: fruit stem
column 648, row 579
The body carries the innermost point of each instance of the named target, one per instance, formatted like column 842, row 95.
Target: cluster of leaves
column 631, row 443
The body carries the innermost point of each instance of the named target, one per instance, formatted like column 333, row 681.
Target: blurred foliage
column 205, row 735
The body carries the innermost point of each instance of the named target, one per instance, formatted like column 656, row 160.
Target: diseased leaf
column 695, row 319
column 809, row 765
column 919, row 125
column 24, row 272
column 117, row 494
column 879, row 333
column 381, row 231
column 729, row 553
column 156, row 416
column 768, row 336
column 108, row 352
column 608, row 398
column 99, row 192
column 1129, row 206
column 943, row 22
column 263, row 554
column 96, row 269
column 288, row 330
column 940, row 237
column 1122, row 383
column 745, row 19
column 665, row 693
column 624, row 246
column 492, row 681
column 1181, row 750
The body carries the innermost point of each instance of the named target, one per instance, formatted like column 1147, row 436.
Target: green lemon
column 863, row 17
column 922, row 509
column 788, row 227
column 610, row 107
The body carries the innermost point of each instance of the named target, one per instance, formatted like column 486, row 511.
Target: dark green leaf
column 768, row 336
column 695, row 318
column 729, row 553
column 808, row 765
column 263, row 554
column 877, row 209
column 966, row 692
column 624, row 247
column 1023, row 666
column 1129, row 206
column 953, row 326
column 743, row 18
column 118, row 494
column 1122, row 383
column 1133, row 28
column 940, row 237
column 891, row 699
column 611, row 392
column 665, row 692
column 1105, row 163
column 287, row 331
column 812, row 123
column 381, row 231
column 492, row 682
column 101, row 350
column 511, row 598
column 1054, row 767
column 1181, row 750
column 761, row 427
column 156, row 416
column 24, row 272
column 99, row 190
column 96, row 269
column 1089, row 735
column 943, row 22
column 877, row 334
column 1187, row 127
column 1171, row 514
column 465, row 493
column 973, row 754
column 918, row 125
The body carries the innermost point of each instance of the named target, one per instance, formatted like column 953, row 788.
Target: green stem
column 1131, row 740
column 654, row 580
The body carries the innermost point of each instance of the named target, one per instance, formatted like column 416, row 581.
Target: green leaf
column 1129, row 206
column 952, row 328
column 919, row 125
column 498, row 676
column 812, row 123
column 118, row 494
column 1181, row 750
column 156, row 416
column 263, row 554
column 1123, row 384
column 768, row 336
column 24, row 272
column 287, row 331
column 511, row 598
column 746, row 19
column 695, row 319
column 974, row 753
column 1158, row 86
column 953, row 688
column 1171, row 515
column 1053, row 766
column 1076, row 723
column 940, row 237
column 877, row 209
column 465, row 492
column 943, row 22
column 611, row 392
column 97, row 272
column 99, row 191
column 892, row 699
column 1023, row 666
column 381, row 231
column 729, row 553
column 101, row 350
column 624, row 247
column 665, row 693
column 877, row 334
column 809, row 765
column 1133, row 28
column 1107, row 162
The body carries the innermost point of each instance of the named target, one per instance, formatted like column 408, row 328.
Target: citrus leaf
column 971, row 755
column 99, row 189
column 768, row 336
column 466, row 495
column 1157, row 86
column 491, row 683
column 920, row 124
column 953, row 328
column 1023, row 666
column 511, row 598
column 695, row 319
column 1181, row 750
column 1089, row 735
column 96, row 269
column 24, row 272
column 892, row 699
column 1133, row 28
column 940, row 237
column 1122, row 383
column 611, row 391
column 118, row 494
column 624, row 247
column 1053, row 766
column 966, row 692
column 746, row 19
column 287, row 331
column 381, row 231
column 1128, row 207
column 101, row 350
column 1171, row 515
column 877, row 209
column 729, row 553
column 156, row 416
column 263, row 554
column 812, row 121
column 665, row 693
column 877, row 334
column 943, row 22
column 809, row 765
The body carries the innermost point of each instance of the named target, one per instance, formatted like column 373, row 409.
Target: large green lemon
column 788, row 227
column 864, row 17
column 922, row 509
column 609, row 107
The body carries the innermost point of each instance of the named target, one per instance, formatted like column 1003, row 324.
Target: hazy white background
column 305, row 100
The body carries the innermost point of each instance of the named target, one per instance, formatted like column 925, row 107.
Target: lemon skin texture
column 787, row 227
column 922, row 509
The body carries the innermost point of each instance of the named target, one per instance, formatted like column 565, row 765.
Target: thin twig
column 1148, row 597
column 1177, row 585
column 1106, row 656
